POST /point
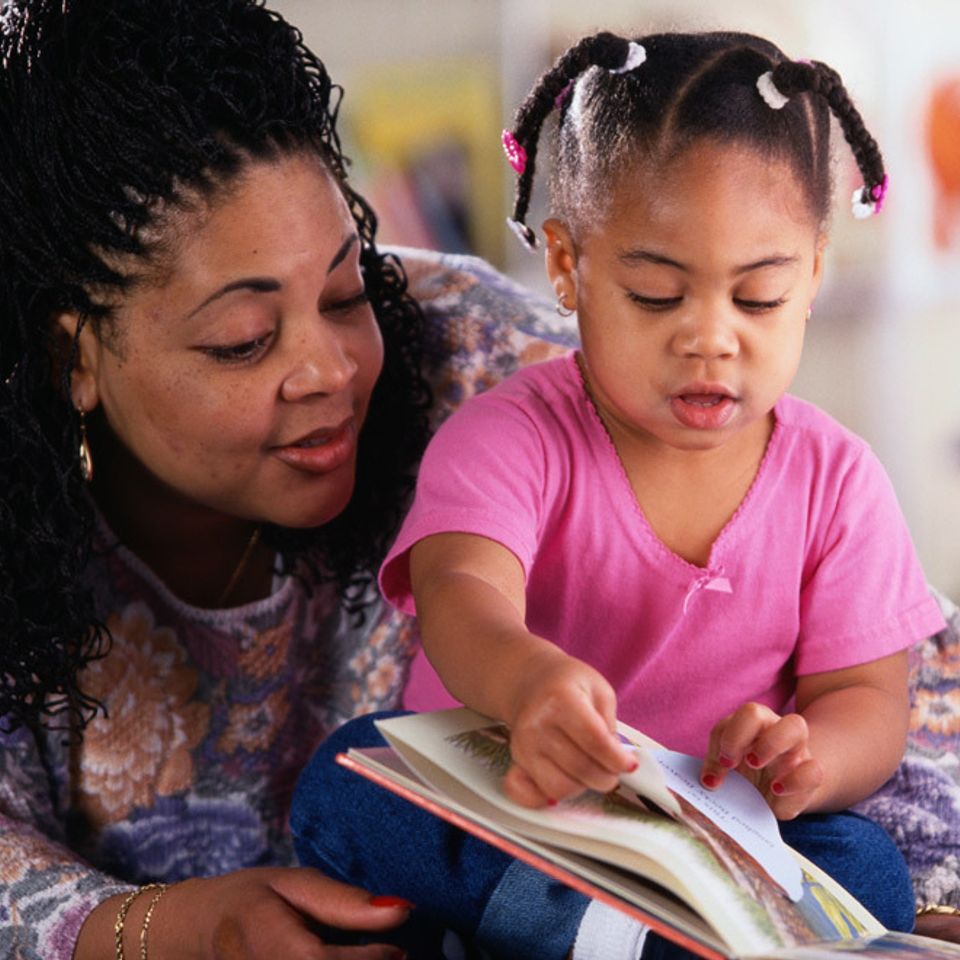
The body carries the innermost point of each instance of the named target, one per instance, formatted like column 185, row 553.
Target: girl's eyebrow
column 270, row 284
column 632, row 258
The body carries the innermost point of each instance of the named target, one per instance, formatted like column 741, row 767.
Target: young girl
column 651, row 527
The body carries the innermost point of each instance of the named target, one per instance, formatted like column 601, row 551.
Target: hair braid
column 791, row 77
column 600, row 50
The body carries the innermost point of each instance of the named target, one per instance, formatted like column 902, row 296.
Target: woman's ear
column 84, row 389
column 561, row 261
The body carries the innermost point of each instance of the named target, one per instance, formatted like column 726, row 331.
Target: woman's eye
column 239, row 352
column 348, row 305
column 654, row 304
column 759, row 306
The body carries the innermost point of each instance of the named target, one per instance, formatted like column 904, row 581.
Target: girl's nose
column 708, row 335
column 320, row 363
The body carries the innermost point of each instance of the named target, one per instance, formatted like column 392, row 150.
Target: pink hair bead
column 516, row 155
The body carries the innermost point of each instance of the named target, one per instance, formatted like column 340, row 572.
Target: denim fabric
column 364, row 835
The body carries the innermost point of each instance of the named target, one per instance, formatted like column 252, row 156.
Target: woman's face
column 241, row 379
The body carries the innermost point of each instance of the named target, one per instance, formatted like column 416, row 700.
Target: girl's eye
column 239, row 352
column 759, row 306
column 654, row 304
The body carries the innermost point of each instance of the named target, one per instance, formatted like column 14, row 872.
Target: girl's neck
column 688, row 496
column 196, row 551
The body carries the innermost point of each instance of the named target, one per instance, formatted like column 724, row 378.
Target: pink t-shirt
column 815, row 571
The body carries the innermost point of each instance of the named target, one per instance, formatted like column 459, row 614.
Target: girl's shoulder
column 806, row 434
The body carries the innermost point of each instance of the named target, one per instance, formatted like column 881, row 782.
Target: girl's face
column 241, row 379
column 692, row 296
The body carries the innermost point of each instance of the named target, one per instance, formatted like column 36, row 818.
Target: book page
column 695, row 860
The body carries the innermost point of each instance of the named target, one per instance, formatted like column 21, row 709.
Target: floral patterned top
column 211, row 714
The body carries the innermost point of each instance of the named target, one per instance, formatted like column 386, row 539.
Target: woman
column 211, row 407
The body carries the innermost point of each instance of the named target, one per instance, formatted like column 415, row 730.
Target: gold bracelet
column 147, row 917
column 122, row 915
column 938, row 909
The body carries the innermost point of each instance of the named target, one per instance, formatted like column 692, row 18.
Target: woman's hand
column 772, row 751
column 256, row 914
column 562, row 735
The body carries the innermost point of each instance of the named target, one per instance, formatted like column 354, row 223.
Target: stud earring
column 86, row 460
column 561, row 306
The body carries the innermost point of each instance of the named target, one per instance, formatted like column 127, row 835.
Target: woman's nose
column 707, row 334
column 320, row 363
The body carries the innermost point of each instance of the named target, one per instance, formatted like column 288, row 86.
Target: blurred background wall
column 430, row 83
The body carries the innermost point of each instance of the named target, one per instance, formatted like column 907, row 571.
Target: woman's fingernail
column 633, row 766
column 551, row 802
column 384, row 901
column 709, row 780
column 726, row 761
column 753, row 760
column 777, row 788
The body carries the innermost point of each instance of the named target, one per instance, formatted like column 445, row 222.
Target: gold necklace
column 241, row 566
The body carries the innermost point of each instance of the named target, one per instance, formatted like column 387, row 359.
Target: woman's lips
column 703, row 409
column 323, row 450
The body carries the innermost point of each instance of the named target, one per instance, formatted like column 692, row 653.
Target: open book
column 702, row 869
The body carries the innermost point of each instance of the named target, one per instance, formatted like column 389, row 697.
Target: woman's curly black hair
column 110, row 112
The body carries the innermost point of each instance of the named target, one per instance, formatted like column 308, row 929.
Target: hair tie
column 636, row 55
column 768, row 90
column 516, row 155
column 867, row 202
column 523, row 233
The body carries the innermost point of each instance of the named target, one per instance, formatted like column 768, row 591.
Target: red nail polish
column 551, row 802
column 753, row 760
column 634, row 766
column 777, row 788
column 726, row 761
column 709, row 780
column 385, row 901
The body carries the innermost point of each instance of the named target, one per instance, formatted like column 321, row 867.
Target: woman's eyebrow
column 270, row 284
column 256, row 284
column 341, row 254
column 632, row 258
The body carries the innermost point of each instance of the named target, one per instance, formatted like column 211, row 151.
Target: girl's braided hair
column 690, row 86
column 112, row 112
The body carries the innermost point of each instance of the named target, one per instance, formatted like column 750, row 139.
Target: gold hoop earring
column 561, row 306
column 86, row 459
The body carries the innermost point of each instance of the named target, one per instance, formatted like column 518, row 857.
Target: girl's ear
column 561, row 261
column 84, row 389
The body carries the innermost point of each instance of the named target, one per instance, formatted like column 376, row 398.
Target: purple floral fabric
column 920, row 805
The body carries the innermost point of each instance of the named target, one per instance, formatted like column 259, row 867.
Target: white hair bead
column 768, row 90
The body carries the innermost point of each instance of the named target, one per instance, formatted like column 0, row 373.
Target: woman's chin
column 304, row 516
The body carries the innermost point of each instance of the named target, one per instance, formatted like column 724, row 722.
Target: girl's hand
column 772, row 751
column 255, row 914
column 563, row 736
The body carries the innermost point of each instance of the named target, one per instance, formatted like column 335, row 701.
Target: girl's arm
column 845, row 740
column 470, row 599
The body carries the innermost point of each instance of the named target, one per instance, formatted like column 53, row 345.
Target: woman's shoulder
column 480, row 325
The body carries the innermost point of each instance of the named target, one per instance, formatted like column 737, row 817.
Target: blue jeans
column 364, row 835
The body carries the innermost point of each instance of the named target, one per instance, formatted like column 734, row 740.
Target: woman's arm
column 256, row 914
column 470, row 598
